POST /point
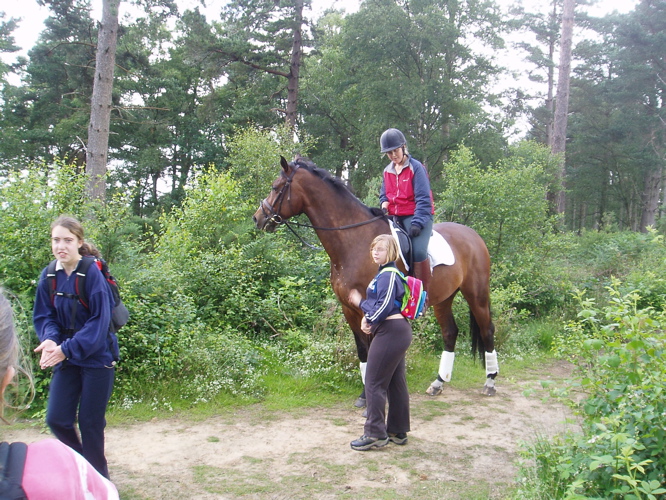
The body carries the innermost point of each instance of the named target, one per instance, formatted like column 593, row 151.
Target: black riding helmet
column 391, row 139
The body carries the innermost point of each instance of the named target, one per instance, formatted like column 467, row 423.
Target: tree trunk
column 650, row 198
column 662, row 208
column 295, row 66
column 562, row 97
column 551, row 83
column 100, row 106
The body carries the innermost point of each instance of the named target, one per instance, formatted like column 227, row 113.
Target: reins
column 269, row 210
column 350, row 226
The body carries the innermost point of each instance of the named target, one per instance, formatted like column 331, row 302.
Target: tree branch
column 235, row 58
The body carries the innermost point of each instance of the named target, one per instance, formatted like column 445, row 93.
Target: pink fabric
column 53, row 471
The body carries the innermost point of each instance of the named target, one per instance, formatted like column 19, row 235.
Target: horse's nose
column 255, row 218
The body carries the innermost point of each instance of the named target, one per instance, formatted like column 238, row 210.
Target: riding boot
column 422, row 272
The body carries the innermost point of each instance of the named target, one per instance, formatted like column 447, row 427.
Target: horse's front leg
column 362, row 352
column 444, row 314
column 362, row 340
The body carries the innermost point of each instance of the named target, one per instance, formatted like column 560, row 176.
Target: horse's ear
column 284, row 163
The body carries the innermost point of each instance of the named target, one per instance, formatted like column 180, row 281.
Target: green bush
column 221, row 361
column 31, row 200
column 506, row 204
column 162, row 325
column 619, row 350
column 218, row 299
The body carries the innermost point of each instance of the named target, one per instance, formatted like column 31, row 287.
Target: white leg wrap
column 363, row 367
column 492, row 367
column 446, row 365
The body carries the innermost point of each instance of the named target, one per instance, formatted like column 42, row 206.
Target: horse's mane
column 338, row 184
column 323, row 174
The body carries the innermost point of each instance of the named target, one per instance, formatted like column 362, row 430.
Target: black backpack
column 12, row 463
column 119, row 313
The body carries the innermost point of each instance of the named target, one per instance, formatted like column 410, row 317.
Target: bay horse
column 346, row 227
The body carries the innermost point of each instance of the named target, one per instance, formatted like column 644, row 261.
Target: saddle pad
column 439, row 251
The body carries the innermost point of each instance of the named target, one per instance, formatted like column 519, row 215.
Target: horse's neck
column 347, row 248
column 325, row 207
column 344, row 245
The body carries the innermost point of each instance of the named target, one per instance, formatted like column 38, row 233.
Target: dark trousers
column 420, row 242
column 86, row 390
column 385, row 379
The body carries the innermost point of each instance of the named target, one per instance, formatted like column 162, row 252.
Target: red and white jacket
column 408, row 193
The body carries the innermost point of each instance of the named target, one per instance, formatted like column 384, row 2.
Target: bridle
column 273, row 215
column 269, row 211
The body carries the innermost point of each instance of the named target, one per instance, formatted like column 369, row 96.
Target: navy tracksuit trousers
column 86, row 390
column 385, row 379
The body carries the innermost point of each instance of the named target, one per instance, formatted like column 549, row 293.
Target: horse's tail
column 478, row 345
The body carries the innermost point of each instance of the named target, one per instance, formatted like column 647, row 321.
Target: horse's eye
column 273, row 188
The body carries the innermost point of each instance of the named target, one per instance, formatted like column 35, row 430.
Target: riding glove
column 414, row 230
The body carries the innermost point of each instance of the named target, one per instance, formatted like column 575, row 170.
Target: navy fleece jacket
column 384, row 296
column 92, row 344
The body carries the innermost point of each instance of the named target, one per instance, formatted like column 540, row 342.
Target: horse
column 345, row 227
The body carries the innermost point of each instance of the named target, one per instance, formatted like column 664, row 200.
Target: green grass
column 286, row 393
column 468, row 371
column 281, row 391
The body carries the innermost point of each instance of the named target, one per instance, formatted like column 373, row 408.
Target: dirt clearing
column 463, row 445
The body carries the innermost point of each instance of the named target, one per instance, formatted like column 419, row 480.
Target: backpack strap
column 51, row 280
column 393, row 270
column 81, row 294
column 80, row 283
column 404, row 280
column 81, row 272
column 12, row 465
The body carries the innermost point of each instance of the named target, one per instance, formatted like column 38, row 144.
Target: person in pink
column 52, row 469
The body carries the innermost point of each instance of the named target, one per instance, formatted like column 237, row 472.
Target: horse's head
column 281, row 203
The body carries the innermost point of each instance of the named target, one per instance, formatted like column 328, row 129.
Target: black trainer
column 365, row 443
column 399, row 438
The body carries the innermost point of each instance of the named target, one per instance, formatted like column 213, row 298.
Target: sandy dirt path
column 462, row 445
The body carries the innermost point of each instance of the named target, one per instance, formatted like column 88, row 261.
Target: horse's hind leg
column 447, row 323
column 482, row 331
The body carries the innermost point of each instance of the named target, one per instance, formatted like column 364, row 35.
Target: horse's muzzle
column 264, row 223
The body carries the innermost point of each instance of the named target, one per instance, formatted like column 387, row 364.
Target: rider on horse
column 406, row 195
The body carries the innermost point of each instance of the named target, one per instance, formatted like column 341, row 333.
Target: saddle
column 439, row 250
column 404, row 244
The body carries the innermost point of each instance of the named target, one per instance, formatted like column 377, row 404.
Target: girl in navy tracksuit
column 385, row 376
column 82, row 357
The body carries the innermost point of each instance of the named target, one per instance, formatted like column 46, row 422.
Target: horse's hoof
column 489, row 391
column 360, row 403
column 433, row 391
